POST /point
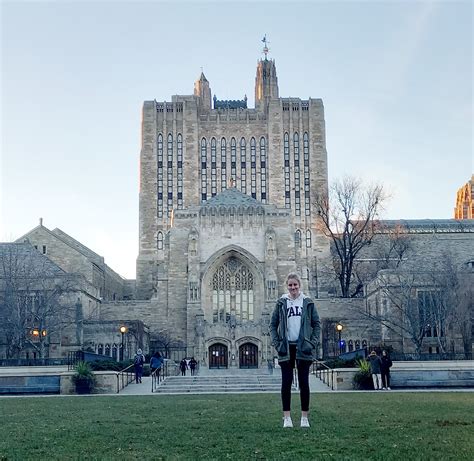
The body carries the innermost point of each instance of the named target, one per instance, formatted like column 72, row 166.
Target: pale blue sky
column 395, row 78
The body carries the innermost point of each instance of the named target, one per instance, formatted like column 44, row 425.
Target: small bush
column 84, row 379
column 112, row 365
column 363, row 378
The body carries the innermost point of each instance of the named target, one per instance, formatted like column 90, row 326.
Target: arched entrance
column 218, row 356
column 248, row 356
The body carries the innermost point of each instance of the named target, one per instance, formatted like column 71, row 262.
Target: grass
column 352, row 426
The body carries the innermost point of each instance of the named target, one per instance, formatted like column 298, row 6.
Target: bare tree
column 167, row 341
column 349, row 217
column 35, row 299
column 452, row 304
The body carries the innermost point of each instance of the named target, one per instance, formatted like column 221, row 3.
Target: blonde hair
column 294, row 276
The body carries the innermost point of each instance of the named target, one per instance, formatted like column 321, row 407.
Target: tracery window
column 307, row 203
column 351, row 345
column 253, row 171
column 296, row 164
column 263, row 170
column 160, row 240
column 243, row 166
column 308, row 238
column 213, row 167
column 223, row 164
column 233, row 160
column 286, row 158
column 232, row 292
column 159, row 151
column 203, row 170
column 180, row 171
column 170, row 173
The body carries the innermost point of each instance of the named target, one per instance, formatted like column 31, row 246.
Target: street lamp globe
column 339, row 327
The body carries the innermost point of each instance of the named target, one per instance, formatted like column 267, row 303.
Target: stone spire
column 266, row 81
column 203, row 91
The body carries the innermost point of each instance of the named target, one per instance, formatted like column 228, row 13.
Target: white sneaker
column 287, row 422
column 304, row 422
column 388, row 389
column 383, row 388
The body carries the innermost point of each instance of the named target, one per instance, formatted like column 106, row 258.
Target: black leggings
column 287, row 368
column 386, row 378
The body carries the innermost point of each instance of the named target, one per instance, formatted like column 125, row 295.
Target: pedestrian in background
column 385, row 369
column 375, row 369
column 138, row 362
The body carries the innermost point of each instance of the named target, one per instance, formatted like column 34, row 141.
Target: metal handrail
column 125, row 376
column 326, row 374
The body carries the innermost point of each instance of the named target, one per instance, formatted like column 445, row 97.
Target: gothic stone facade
column 223, row 192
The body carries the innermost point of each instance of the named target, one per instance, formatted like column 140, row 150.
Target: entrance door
column 248, row 356
column 218, row 356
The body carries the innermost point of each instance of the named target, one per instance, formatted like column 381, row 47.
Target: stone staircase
column 232, row 383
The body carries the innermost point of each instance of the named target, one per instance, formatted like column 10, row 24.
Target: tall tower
column 203, row 91
column 266, row 81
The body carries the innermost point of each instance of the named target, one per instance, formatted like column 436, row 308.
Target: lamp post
column 123, row 330
column 339, row 328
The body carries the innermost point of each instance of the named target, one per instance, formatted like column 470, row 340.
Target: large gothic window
column 159, row 153
column 232, row 292
column 286, row 158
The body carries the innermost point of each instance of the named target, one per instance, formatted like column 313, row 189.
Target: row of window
column 236, row 169
column 219, row 171
column 298, row 238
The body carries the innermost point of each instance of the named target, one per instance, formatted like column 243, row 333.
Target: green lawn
column 348, row 426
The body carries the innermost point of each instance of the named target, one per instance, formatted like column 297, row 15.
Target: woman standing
column 295, row 329
column 385, row 370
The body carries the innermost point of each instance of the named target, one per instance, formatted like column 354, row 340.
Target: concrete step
column 207, row 384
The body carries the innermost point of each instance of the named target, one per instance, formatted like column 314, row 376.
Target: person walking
column 156, row 363
column 192, row 365
column 375, row 369
column 295, row 329
column 183, row 366
column 385, row 369
column 138, row 362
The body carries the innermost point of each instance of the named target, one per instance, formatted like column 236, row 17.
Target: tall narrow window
column 159, row 152
column 223, row 164
column 160, row 240
column 170, row 173
column 253, row 170
column 180, row 171
column 286, row 158
column 213, row 167
column 307, row 203
column 203, row 170
column 233, row 160
column 296, row 164
column 243, row 166
column 263, row 170
column 308, row 239
column 298, row 238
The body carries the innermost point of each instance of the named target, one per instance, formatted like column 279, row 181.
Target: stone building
column 95, row 284
column 464, row 208
column 225, row 214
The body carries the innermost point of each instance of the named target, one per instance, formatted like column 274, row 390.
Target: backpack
column 138, row 359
